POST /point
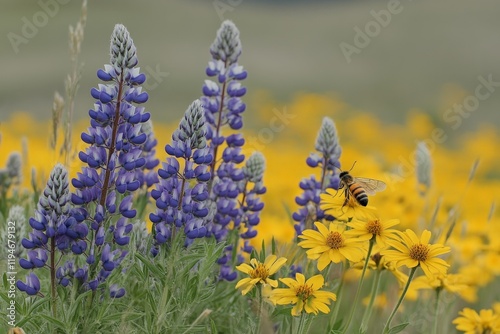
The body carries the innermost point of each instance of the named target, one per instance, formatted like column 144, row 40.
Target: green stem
column 360, row 285
column 300, row 328
column 259, row 312
column 369, row 309
column 336, row 306
column 405, row 290
column 436, row 311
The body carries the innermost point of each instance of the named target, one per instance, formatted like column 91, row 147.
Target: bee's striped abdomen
column 359, row 194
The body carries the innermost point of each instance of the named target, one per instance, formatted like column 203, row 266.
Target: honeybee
column 359, row 187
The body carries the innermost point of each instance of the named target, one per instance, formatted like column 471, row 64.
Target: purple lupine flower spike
column 252, row 187
column 224, row 107
column 327, row 158
column 181, row 195
column 53, row 228
column 119, row 160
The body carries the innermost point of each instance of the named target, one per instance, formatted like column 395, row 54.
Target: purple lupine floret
column 65, row 273
column 181, row 195
column 327, row 158
column 32, row 285
column 119, row 159
column 116, row 292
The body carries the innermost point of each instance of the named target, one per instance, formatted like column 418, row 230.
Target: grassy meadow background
column 390, row 96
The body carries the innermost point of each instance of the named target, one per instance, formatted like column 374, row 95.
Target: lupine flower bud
column 227, row 45
column 327, row 141
column 17, row 217
column 122, row 49
column 11, row 174
column 327, row 158
column 254, row 167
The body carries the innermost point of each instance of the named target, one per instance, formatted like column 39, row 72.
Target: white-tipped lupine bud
column 254, row 167
column 192, row 126
column 16, row 222
column 122, row 49
column 56, row 196
column 327, row 141
column 424, row 167
column 227, row 44
column 14, row 165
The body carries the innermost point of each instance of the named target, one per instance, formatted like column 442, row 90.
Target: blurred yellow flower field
column 382, row 151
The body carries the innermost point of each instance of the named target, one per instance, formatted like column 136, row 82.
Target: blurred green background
column 427, row 50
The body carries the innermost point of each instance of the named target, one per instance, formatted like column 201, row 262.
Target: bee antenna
column 352, row 166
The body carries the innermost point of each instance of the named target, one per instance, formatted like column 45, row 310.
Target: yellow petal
column 245, row 268
column 270, row 260
column 426, row 237
column 316, row 282
column 322, row 229
column 277, row 265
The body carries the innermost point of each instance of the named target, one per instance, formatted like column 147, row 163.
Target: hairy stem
column 405, row 290
column 360, row 285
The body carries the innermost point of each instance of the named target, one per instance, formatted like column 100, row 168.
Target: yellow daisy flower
column 373, row 228
column 337, row 206
column 304, row 294
column 471, row 322
column 259, row 273
column 412, row 252
column 331, row 245
column 454, row 283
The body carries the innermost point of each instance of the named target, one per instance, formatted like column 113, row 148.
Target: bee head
column 342, row 174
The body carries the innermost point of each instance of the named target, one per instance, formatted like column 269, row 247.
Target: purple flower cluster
column 224, row 107
column 247, row 213
column 181, row 195
column 119, row 158
column 53, row 228
column 327, row 159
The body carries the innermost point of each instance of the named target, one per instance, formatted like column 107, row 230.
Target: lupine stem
column 405, row 290
column 436, row 311
column 360, row 285
column 112, row 147
column 217, row 131
column 369, row 308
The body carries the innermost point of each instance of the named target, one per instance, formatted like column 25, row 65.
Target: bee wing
column 371, row 186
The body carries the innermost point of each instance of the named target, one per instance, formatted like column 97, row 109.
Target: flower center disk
column 335, row 240
column 303, row 292
column 259, row 272
column 374, row 227
column 419, row 252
